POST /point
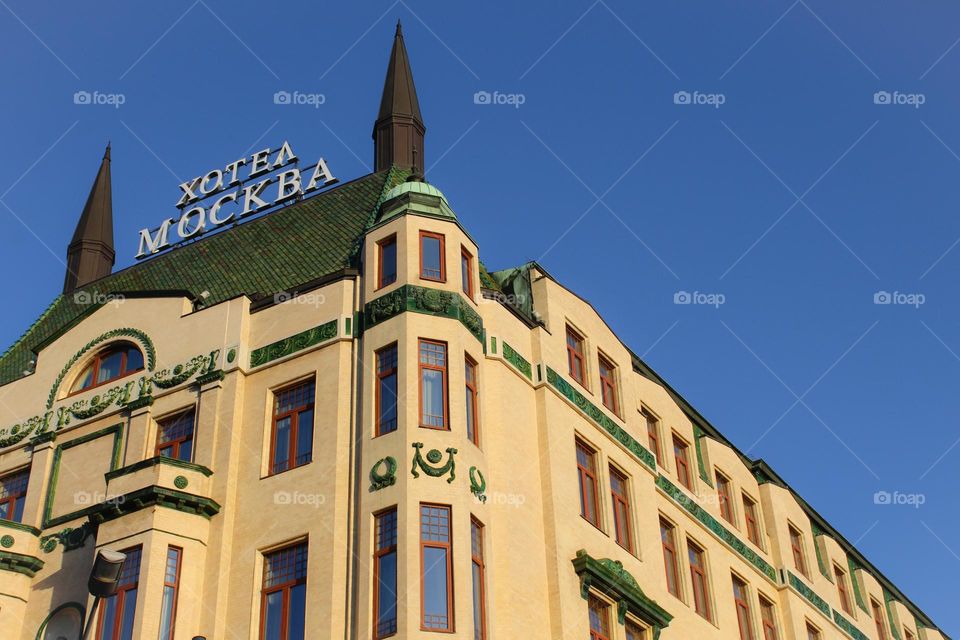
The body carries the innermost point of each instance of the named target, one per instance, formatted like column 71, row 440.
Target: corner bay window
column 698, row 579
column 385, row 574
column 669, row 543
column 13, row 494
column 470, row 389
column 117, row 612
column 432, row 257
column 621, row 509
column 479, row 581
column 608, row 384
column 386, row 261
column 292, row 434
column 599, row 618
column 681, row 454
column 175, row 436
column 575, row 356
column 283, row 598
column 171, row 585
column 436, row 569
column 433, row 384
column 742, row 603
column 112, row 363
column 386, row 390
column 587, row 475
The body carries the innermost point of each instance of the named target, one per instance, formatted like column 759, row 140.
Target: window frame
column 285, row 588
column 443, row 256
column 767, row 605
column 11, row 500
column 448, row 547
column 122, row 590
column 294, row 415
column 797, row 548
column 744, row 606
column 702, row 573
column 595, row 603
column 466, row 276
column 378, row 555
column 177, row 443
column 608, row 383
column 622, row 513
column 751, row 519
column 97, row 360
column 686, row 478
column 444, row 382
column 641, row 630
column 671, row 569
column 841, row 579
column 813, row 631
column 577, row 354
column 385, row 242
column 381, row 373
column 583, row 475
column 725, row 496
column 472, row 392
column 479, row 564
column 176, row 591
column 877, row 615
column 653, row 434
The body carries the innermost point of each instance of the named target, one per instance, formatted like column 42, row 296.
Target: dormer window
column 114, row 362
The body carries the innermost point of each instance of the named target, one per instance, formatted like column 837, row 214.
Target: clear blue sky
column 797, row 199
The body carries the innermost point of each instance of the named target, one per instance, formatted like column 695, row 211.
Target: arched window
column 116, row 361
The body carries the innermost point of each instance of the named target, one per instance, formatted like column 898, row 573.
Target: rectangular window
column 387, row 261
column 841, row 577
column 292, row 442
column 13, row 494
column 751, row 520
column 621, row 509
column 681, row 454
column 813, row 633
column 466, row 272
column 653, row 434
column 175, row 436
column 479, row 581
column 599, row 618
column 436, row 569
column 878, row 619
column 635, row 631
column 433, row 384
column 796, row 547
column 723, row 495
column 471, row 392
column 387, row 390
column 283, row 598
column 608, row 384
column 385, row 574
column 171, row 587
column 742, row 602
column 768, row 618
column 908, row 635
column 575, row 356
column 698, row 579
column 118, row 611
column 431, row 257
column 587, row 473
column 669, row 542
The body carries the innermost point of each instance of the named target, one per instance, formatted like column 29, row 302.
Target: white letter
column 232, row 196
column 285, row 150
column 182, row 229
column 321, row 171
column 283, row 183
column 250, row 193
column 205, row 189
column 150, row 245
column 261, row 163
column 188, row 194
column 232, row 168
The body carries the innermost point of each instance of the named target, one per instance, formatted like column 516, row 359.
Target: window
column 653, row 434
column 751, row 520
column 283, row 598
column 878, row 619
column 599, row 618
column 436, row 569
column 768, row 618
column 387, row 261
column 292, row 441
column 175, row 436
column 841, row 577
column 13, row 494
column 740, row 599
column 698, row 579
column 110, row 364
column 470, row 388
column 587, row 473
column 908, row 635
column 433, row 384
column 386, row 390
column 634, row 631
column 479, row 581
column 171, row 586
column 466, row 272
column 796, row 546
column 668, row 540
column 385, row 574
column 813, row 633
column 608, row 384
column 117, row 612
column 723, row 495
column 575, row 356
column 621, row 509
column 431, row 257
column 681, row 451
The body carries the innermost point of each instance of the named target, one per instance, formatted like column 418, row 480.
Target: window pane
column 85, row 380
column 432, row 398
column 129, row 611
column 134, row 360
column 109, row 618
column 186, row 451
column 470, row 418
column 435, row 605
column 304, row 436
column 634, row 632
column 477, row 602
column 110, row 367
column 430, row 257
column 387, row 390
column 281, row 446
column 388, row 262
column 272, row 621
column 387, row 594
column 166, row 614
column 297, row 608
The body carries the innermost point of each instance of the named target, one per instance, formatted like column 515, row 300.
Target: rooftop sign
column 242, row 188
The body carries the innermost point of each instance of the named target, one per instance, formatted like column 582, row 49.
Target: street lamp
column 104, row 578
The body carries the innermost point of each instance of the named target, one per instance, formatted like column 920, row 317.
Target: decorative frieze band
column 433, row 302
column 517, row 361
column 292, row 344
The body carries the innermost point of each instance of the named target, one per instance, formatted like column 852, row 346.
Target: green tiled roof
column 278, row 252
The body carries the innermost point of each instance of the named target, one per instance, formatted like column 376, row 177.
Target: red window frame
column 841, row 577
column 623, row 532
column 385, row 242
column 480, row 581
column 466, row 275
column 129, row 581
column 443, row 252
column 294, row 415
column 681, row 455
column 124, row 348
column 653, row 434
column 634, row 631
column 742, row 604
column 424, row 366
column 177, row 442
column 608, row 383
column 796, row 548
column 575, row 358
column 385, row 543
column 298, row 555
column 173, row 584
column 698, row 579
column 587, row 476
column 750, row 519
column 13, row 488
column 723, row 494
column 768, row 619
column 471, row 386
column 599, row 612
column 668, row 540
column 813, row 633
column 878, row 619
column 387, row 359
column 442, row 527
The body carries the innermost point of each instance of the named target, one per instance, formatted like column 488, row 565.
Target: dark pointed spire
column 398, row 133
column 90, row 255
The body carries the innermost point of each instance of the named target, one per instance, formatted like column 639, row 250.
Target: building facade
column 333, row 422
